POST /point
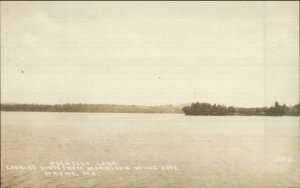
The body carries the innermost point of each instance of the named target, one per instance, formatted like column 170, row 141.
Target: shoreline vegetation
column 91, row 108
column 222, row 110
column 193, row 109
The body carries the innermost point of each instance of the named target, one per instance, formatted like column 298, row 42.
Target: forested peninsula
column 220, row 110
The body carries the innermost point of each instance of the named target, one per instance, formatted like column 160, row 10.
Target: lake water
column 173, row 150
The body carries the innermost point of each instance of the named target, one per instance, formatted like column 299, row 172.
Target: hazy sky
column 232, row 53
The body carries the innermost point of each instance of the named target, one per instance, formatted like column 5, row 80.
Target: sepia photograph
column 150, row 94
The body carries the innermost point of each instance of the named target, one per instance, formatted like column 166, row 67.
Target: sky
column 150, row 53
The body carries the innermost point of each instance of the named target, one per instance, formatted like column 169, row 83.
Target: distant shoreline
column 97, row 112
column 181, row 113
column 195, row 109
column 92, row 108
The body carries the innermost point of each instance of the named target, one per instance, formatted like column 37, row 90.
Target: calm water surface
column 219, row 151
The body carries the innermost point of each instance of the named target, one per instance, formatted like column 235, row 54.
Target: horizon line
column 187, row 104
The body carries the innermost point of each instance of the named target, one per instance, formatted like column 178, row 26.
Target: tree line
column 193, row 109
column 209, row 109
column 105, row 108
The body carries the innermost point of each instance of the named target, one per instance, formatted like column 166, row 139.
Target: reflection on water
column 223, row 151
